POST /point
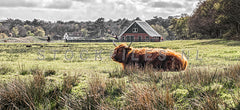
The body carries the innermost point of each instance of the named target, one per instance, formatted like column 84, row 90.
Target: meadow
column 83, row 76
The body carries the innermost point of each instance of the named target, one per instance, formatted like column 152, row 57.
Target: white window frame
column 135, row 30
column 123, row 38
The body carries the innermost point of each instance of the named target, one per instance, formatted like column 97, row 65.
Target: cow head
column 120, row 52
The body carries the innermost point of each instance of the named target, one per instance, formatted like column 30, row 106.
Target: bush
column 3, row 35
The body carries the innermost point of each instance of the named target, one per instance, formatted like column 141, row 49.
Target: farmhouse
column 140, row 31
column 72, row 36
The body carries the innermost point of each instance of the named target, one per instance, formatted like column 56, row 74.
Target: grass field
column 82, row 76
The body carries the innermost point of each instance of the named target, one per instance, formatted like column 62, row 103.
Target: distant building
column 140, row 31
column 72, row 36
column 57, row 37
column 3, row 21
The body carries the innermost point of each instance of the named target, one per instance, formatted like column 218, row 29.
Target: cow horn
column 114, row 44
column 129, row 45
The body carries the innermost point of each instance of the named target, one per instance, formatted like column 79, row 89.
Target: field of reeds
column 82, row 76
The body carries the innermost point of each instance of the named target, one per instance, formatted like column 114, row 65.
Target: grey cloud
column 83, row 0
column 162, row 4
column 17, row 3
column 60, row 4
column 120, row 3
column 145, row 1
column 192, row 0
column 55, row 4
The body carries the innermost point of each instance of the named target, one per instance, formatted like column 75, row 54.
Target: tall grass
column 148, row 97
column 69, row 82
column 20, row 94
column 5, row 69
column 14, row 95
column 34, row 93
column 138, row 89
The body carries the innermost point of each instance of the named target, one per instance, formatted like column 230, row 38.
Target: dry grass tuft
column 68, row 83
column 148, row 97
column 22, row 95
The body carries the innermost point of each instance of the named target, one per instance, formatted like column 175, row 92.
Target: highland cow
column 160, row 59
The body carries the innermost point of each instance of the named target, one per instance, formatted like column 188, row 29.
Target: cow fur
column 160, row 59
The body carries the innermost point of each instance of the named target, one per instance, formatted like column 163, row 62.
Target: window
column 123, row 38
column 132, row 38
column 139, row 38
column 135, row 30
column 147, row 38
column 128, row 38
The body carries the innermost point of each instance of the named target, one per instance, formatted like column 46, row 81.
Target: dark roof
column 146, row 27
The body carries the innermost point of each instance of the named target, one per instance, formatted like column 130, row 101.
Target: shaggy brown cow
column 160, row 59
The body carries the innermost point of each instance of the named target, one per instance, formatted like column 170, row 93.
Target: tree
column 39, row 32
column 161, row 30
column 29, row 33
column 84, row 32
column 217, row 19
column 97, row 28
column 22, row 31
column 203, row 20
column 180, row 27
column 15, row 31
column 231, row 18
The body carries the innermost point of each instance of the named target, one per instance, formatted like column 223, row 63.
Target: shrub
column 49, row 72
column 3, row 35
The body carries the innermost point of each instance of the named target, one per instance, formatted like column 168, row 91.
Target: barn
column 72, row 36
column 139, row 31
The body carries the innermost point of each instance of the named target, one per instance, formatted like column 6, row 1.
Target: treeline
column 89, row 30
column 211, row 19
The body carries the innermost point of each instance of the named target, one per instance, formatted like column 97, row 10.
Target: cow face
column 120, row 52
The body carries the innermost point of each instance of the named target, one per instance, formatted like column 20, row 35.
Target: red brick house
column 139, row 31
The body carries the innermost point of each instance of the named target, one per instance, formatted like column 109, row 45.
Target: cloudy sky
column 85, row 10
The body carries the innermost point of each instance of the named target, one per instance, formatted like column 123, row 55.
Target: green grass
column 102, row 83
column 213, row 54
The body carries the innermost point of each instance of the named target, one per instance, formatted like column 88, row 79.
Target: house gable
column 134, row 27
